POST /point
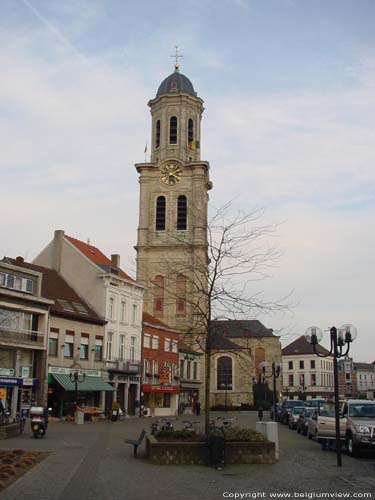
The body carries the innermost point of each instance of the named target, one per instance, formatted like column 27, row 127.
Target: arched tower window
column 191, row 143
column 181, row 294
column 160, row 214
column 182, row 213
column 224, row 373
column 158, row 294
column 173, row 130
column 157, row 134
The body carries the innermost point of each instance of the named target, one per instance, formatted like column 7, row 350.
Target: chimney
column 115, row 259
column 57, row 249
column 19, row 260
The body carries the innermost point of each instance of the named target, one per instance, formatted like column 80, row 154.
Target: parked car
column 326, row 426
column 359, row 416
column 286, row 409
column 294, row 416
column 312, row 424
column 322, row 424
column 316, row 403
column 303, row 420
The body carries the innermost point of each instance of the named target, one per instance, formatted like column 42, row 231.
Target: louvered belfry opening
column 160, row 213
column 182, row 213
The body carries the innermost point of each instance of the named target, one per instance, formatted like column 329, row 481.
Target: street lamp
column 275, row 373
column 302, row 390
column 338, row 338
column 75, row 379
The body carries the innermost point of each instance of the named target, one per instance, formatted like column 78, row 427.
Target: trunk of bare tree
column 207, row 386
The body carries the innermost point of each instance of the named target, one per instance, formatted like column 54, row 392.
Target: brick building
column 160, row 376
column 356, row 379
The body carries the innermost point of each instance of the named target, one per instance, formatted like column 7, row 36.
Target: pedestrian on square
column 197, row 408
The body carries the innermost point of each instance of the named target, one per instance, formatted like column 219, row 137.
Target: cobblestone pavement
column 92, row 462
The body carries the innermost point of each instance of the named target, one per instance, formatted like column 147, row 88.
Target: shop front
column 189, row 396
column 17, row 393
column 127, row 393
column 159, row 400
column 88, row 390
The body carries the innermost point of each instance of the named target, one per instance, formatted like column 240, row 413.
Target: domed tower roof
column 176, row 83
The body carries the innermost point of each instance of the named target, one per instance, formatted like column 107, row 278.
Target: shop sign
column 160, row 388
column 164, row 376
column 7, row 371
column 30, row 381
column 11, row 381
column 127, row 378
column 67, row 371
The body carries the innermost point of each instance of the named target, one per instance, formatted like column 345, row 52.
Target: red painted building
column 160, row 377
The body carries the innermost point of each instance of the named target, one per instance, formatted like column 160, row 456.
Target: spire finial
column 176, row 56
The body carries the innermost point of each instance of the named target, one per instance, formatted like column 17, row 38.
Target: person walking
column 197, row 408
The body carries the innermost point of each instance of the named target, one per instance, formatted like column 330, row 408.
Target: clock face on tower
column 171, row 174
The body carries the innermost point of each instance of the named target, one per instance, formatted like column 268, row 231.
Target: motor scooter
column 38, row 421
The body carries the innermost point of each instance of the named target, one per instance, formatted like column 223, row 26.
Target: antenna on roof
column 88, row 241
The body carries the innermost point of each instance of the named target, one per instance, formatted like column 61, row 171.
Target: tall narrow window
column 181, row 294
column 173, row 130
column 158, row 294
column 182, row 213
column 121, row 353
column 157, row 134
column 224, row 373
column 132, row 348
column 160, row 214
column 191, row 143
column 108, row 353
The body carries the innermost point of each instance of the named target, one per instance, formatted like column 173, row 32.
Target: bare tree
column 223, row 278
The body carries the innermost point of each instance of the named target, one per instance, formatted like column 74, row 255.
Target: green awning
column 87, row 385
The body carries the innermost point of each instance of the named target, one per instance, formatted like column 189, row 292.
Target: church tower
column 172, row 259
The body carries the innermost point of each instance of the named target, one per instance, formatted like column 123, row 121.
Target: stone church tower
column 172, row 259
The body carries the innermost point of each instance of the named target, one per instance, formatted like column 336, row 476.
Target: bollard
column 271, row 432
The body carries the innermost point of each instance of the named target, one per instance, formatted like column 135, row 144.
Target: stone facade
column 249, row 345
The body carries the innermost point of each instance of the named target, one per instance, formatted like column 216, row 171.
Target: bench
column 136, row 442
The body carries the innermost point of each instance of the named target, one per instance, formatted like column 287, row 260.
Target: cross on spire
column 176, row 56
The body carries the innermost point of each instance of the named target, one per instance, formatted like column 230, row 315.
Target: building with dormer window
column 117, row 298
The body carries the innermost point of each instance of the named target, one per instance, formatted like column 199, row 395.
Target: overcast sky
column 289, row 125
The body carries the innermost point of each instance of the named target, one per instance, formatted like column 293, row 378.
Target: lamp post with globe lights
column 76, row 378
column 275, row 373
column 340, row 340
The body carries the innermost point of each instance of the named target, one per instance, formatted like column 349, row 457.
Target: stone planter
column 196, row 453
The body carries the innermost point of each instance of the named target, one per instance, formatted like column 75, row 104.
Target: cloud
column 72, row 128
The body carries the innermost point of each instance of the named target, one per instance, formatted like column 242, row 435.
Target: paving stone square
column 91, row 461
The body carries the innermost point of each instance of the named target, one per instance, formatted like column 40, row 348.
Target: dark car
column 286, row 409
column 302, row 422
